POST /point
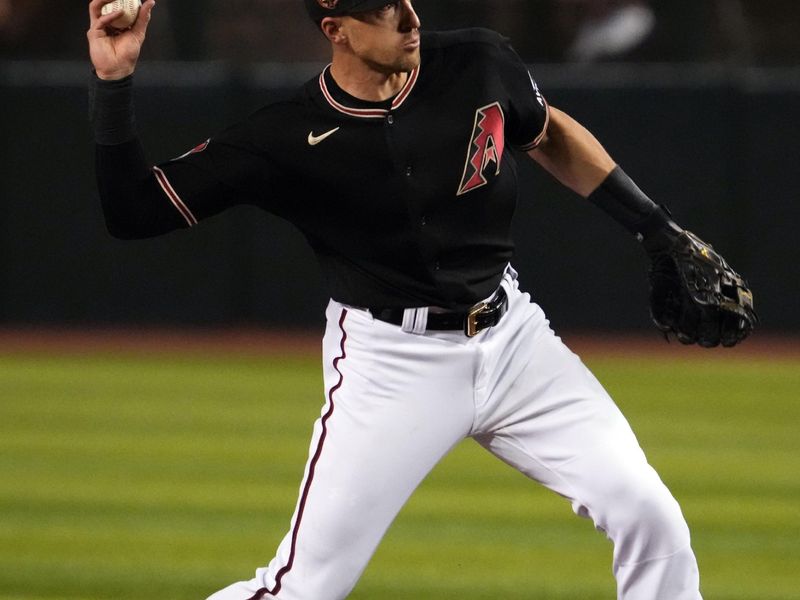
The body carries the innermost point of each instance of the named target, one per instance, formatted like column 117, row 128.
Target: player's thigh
column 554, row 421
column 395, row 404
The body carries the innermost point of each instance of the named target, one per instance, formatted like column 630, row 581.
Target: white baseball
column 130, row 10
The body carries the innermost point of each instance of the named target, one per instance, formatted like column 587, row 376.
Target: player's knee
column 648, row 522
column 659, row 511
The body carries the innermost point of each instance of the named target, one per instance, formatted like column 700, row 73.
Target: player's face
column 386, row 39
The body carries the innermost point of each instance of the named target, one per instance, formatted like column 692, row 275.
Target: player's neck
column 365, row 83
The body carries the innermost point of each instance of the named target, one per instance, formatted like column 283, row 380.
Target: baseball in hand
column 130, row 10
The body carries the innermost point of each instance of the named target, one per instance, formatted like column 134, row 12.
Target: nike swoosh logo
column 313, row 140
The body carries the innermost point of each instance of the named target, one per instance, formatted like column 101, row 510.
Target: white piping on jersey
column 538, row 140
column 369, row 113
column 174, row 197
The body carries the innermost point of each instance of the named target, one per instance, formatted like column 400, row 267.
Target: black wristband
column 621, row 198
column 111, row 110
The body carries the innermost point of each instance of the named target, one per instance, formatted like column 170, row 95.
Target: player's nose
column 410, row 19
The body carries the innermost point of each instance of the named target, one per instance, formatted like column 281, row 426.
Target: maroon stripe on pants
column 311, row 469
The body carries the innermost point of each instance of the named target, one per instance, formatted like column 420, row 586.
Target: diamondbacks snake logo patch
column 485, row 152
column 329, row 4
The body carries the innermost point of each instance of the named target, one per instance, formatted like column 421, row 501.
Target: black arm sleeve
column 133, row 204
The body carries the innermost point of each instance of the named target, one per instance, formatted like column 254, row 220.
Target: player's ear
column 332, row 28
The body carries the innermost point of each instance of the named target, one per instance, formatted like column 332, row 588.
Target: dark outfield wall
column 719, row 147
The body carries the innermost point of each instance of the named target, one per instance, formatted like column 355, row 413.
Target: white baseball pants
column 398, row 402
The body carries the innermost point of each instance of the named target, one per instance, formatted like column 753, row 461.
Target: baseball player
column 396, row 164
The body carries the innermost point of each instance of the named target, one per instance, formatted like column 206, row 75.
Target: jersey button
column 409, row 171
column 424, row 221
column 390, row 119
column 437, row 266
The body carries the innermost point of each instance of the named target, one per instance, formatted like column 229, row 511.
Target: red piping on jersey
column 369, row 113
column 173, row 197
column 404, row 93
column 311, row 469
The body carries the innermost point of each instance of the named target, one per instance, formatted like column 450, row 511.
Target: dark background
column 703, row 112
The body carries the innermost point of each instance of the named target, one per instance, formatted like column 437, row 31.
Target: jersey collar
column 344, row 103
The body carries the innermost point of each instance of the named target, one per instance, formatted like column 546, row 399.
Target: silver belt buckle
column 471, row 326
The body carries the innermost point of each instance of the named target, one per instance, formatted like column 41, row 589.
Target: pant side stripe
column 311, row 469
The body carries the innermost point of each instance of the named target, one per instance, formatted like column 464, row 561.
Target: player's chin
column 397, row 63
column 410, row 60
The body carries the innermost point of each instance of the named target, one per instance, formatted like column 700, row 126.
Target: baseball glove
column 696, row 296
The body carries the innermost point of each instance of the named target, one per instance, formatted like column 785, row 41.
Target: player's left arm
column 571, row 154
column 694, row 294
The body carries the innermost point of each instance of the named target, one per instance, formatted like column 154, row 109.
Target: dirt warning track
column 264, row 342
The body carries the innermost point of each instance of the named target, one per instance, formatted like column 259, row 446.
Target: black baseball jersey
column 406, row 202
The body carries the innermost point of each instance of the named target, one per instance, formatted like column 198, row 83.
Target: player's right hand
column 114, row 53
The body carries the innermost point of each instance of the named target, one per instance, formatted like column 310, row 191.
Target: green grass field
column 158, row 477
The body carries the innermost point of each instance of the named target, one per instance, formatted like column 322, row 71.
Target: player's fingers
column 106, row 20
column 96, row 9
column 101, row 25
column 140, row 26
column 97, row 20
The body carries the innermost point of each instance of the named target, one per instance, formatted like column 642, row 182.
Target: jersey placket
column 420, row 224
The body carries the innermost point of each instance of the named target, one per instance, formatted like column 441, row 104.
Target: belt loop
column 510, row 271
column 415, row 320
column 509, row 280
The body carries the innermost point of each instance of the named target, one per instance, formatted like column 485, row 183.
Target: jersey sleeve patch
column 173, row 197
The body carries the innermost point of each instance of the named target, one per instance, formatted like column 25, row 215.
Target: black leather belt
column 481, row 316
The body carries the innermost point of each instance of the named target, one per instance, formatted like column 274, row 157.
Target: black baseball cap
column 319, row 9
